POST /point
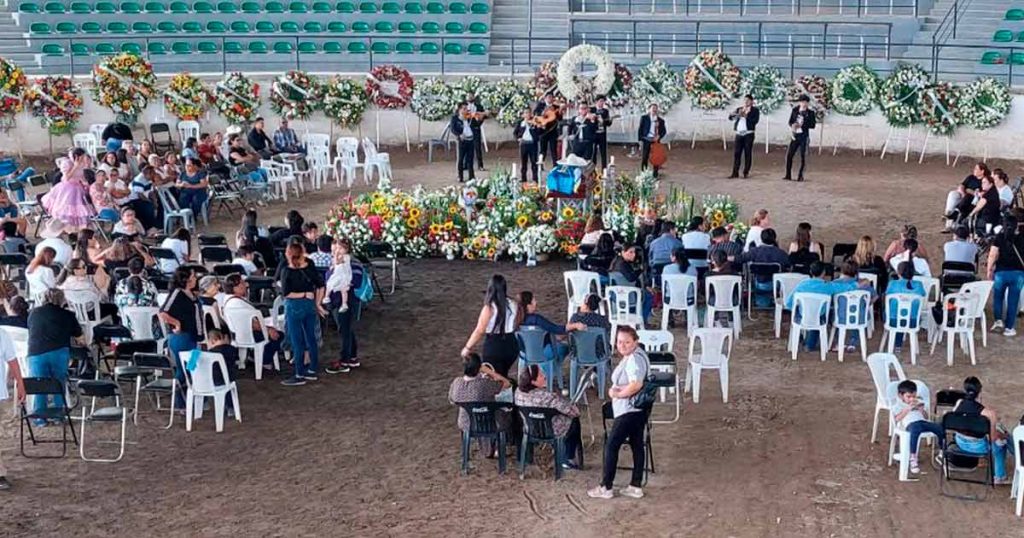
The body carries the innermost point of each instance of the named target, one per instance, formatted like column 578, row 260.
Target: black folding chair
column 483, row 424
column 946, row 400
column 382, row 255
column 215, row 254
column 262, row 289
column 12, row 269
column 841, row 251
column 225, row 269
column 959, row 465
column 210, row 239
column 154, row 375
column 606, row 415
column 956, row 274
column 45, row 387
column 163, row 143
column 539, row 428
column 160, row 254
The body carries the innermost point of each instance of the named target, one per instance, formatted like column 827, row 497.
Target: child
column 341, row 274
column 218, row 342
column 322, row 257
column 13, row 241
column 245, row 256
column 909, row 412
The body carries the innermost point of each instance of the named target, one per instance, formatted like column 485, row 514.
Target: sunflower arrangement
column 940, row 108
column 719, row 210
column 481, row 246
column 711, row 80
column 13, row 85
column 124, row 83
column 985, row 103
column 57, row 102
column 295, row 95
column 815, row 87
column 344, row 101
column 568, row 233
column 186, row 98
column 237, row 98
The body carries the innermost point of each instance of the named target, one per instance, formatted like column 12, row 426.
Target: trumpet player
column 801, row 121
column 744, row 123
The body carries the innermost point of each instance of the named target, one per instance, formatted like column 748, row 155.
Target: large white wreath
column 574, row 85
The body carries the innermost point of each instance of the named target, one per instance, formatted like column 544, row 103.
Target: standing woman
column 1006, row 268
column 627, row 380
column 496, row 325
column 183, row 315
column 303, row 289
column 39, row 273
column 345, row 278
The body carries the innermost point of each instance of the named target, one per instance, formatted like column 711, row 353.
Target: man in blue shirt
column 662, row 247
column 815, row 284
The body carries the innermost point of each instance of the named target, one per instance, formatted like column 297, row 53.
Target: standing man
column 744, row 122
column 473, row 106
column 604, row 121
column 549, row 134
column 801, row 121
column 463, row 128
column 528, row 136
column 583, row 132
column 652, row 129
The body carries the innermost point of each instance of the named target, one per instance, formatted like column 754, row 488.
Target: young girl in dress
column 66, row 201
column 341, row 275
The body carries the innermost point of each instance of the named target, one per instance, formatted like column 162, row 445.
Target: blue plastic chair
column 589, row 350
column 531, row 351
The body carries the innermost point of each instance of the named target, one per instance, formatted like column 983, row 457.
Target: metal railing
column 858, row 8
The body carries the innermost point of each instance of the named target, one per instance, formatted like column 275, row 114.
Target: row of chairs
column 130, row 7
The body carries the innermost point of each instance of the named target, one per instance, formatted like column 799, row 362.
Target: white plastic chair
column 715, row 349
column 625, row 305
column 679, row 292
column 319, row 162
column 982, row 289
column 933, row 294
column 579, row 284
column 375, row 160
column 899, row 319
column 346, row 163
column 660, row 341
column 240, row 324
column 316, row 140
column 96, row 130
column 280, row 176
column 19, row 340
column 87, row 142
column 782, row 287
column 873, row 279
column 726, row 299
column 142, row 320
column 172, row 211
column 188, row 129
column 1017, row 491
column 200, row 387
column 963, row 320
column 881, row 364
column 87, row 311
column 813, row 309
column 851, row 314
column 900, row 436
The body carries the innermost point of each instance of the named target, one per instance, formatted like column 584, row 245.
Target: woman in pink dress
column 66, row 202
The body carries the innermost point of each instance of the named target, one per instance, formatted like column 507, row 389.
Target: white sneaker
column 997, row 326
column 914, row 468
column 632, row 491
column 1010, row 332
column 600, row 492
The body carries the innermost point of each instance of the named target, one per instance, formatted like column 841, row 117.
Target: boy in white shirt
column 909, row 412
column 245, row 257
column 9, row 371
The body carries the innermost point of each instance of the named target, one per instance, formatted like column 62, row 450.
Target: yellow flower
column 407, row 203
column 597, row 190
column 546, row 216
column 435, row 228
column 448, row 225
column 414, row 212
column 719, row 216
column 522, row 221
column 477, row 243
column 470, row 255
column 490, row 252
column 453, row 209
column 568, row 212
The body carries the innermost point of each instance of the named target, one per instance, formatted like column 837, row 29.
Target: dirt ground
column 375, row 452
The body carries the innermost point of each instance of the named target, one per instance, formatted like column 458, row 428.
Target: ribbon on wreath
column 946, row 113
column 236, row 95
column 123, row 80
column 700, row 67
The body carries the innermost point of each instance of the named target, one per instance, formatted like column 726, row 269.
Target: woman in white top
column 758, row 223
column 110, row 161
column 496, row 326
column 80, row 287
column 39, row 273
column 179, row 244
column 1002, row 184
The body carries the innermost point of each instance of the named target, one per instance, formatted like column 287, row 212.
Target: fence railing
column 858, row 8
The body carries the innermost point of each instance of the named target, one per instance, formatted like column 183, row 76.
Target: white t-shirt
column 696, row 239
column 1006, row 195
column 741, row 126
column 58, row 245
column 121, row 186
column 898, row 406
column 527, row 137
column 920, row 266
column 180, row 249
column 753, row 236
column 6, row 354
column 249, row 267
column 40, row 279
column 630, row 369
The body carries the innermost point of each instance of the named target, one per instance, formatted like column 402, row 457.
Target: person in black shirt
column 183, row 315
column 116, row 131
column 583, row 131
column 960, row 201
column 294, row 221
column 651, row 130
column 601, row 258
column 51, row 331
column 464, row 128
column 986, row 211
column 801, row 120
column 302, row 287
column 744, row 123
column 15, row 313
column 473, row 106
column 1006, row 268
column 259, row 141
column 604, row 121
column 549, row 134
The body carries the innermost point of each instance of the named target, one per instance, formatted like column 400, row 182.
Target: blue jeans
column 50, row 364
column 812, row 337
column 301, row 323
column 981, row 448
column 1011, row 281
column 176, row 343
column 193, row 199
column 921, row 426
column 763, row 293
column 258, row 175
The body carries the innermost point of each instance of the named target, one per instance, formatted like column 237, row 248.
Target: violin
column 475, row 116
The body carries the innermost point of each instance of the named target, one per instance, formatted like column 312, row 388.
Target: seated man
column 960, row 201
column 960, row 249
column 662, row 247
column 13, row 240
column 285, row 139
column 815, row 284
column 259, row 141
column 767, row 252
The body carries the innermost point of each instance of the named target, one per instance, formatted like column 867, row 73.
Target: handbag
column 645, row 397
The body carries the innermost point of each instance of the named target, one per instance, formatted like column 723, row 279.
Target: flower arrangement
column 711, row 80
column 470, row 84
column 656, row 83
column 618, row 95
column 13, row 84
column 123, row 83
column 237, row 98
column 186, row 98
column 57, row 102
column 573, row 84
column 433, row 99
column 738, row 232
column 569, row 232
column 344, row 101
column 940, row 108
column 511, row 112
column 679, row 206
column 768, row 86
column 482, row 246
column 444, row 238
column 719, row 210
column 815, row 87
column 855, row 90
column 901, row 95
column 984, row 103
column 537, row 239
column 545, row 80
column 353, row 228
column 389, row 86
column 295, row 95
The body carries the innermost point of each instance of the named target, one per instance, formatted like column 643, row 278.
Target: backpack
column 364, row 288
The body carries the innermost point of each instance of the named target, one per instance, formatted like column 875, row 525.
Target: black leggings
column 626, row 427
column 501, row 351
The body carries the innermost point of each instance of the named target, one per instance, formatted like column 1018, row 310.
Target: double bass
column 659, row 155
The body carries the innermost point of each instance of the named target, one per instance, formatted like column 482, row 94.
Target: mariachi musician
column 549, row 129
column 604, row 118
column 652, row 130
column 801, row 121
column 528, row 135
column 583, row 132
column 474, row 107
column 462, row 127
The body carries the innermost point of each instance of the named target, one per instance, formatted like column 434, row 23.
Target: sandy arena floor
column 375, row 452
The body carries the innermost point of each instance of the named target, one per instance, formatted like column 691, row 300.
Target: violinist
column 461, row 126
column 652, row 129
column 604, row 120
column 528, row 135
column 474, row 107
column 583, row 132
column 549, row 135
column 744, row 122
column 801, row 121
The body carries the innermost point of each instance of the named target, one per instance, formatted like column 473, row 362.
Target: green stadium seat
column 207, row 47
column 134, row 49
column 453, row 28
column 477, row 49
column 413, row 7
column 82, row 8
column 131, row 8
column 179, row 7
column 202, row 7
column 368, row 7
column 181, row 47
column 289, row 27
column 192, row 27
column 404, row 47
column 479, row 8
column 336, row 27
column 991, row 58
column 458, row 8
column 360, row 27
column 66, row 28
column 283, row 47
column 216, row 27
column 79, row 49
column 232, row 47
column 1015, row 14
column 407, row 27
column 431, row 27
column 1020, row 37
column 52, row 49
column 357, row 47
column 31, row 7
column 332, row 47
column 106, row 8
column 321, row 7
column 91, row 28
column 307, row 47
column 380, row 47
column 155, row 7
column 274, row 7
column 477, row 28
column 1017, row 58
column 54, row 8
column 391, row 8
column 429, row 48
column 156, row 47
column 39, row 28
column 1003, row 36
column 164, row 27
column 142, row 27
column 452, row 48
column 435, row 8
column 241, row 27
column 265, row 27
column 117, row 27
column 105, row 49
column 257, row 47
column 312, row 27
column 383, row 27
column 298, row 7
column 345, row 7
column 250, row 7
column 227, row 7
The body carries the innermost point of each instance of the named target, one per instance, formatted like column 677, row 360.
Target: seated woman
column 909, row 254
column 128, row 225
column 897, row 246
column 531, row 318
column 865, row 258
column 987, row 211
column 720, row 264
column 121, row 251
column 623, row 264
column 170, row 170
column 192, row 187
column 478, row 383
column 1002, row 184
column 209, row 290
column 680, row 266
column 532, row 392
column 180, row 243
column 904, row 284
column 589, row 313
column 600, row 259
column 981, row 447
column 40, row 274
column 804, row 250
column 78, row 285
column 15, row 312
column 9, row 213
column 101, row 198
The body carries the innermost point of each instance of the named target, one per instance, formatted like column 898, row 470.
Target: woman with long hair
column 911, row 249
column 905, row 285
column 1006, row 268
column 971, row 405
column 252, row 234
column 79, row 286
column 803, row 242
column 593, row 230
column 345, row 303
column 183, row 316
column 303, row 289
column 867, row 261
column 758, row 223
column 897, row 247
column 496, row 326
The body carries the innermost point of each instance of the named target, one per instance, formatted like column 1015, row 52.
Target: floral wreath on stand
column 505, row 99
column 57, row 102
column 470, row 84
column 13, row 84
column 940, row 106
column 711, row 80
column 344, row 101
column 124, row 84
column 237, row 98
column 186, row 98
column 984, row 103
column 901, row 95
column 815, row 87
column 656, row 83
column 295, row 95
column 433, row 99
column 768, row 86
column 389, row 86
column 576, row 86
column 855, row 90
column 618, row 96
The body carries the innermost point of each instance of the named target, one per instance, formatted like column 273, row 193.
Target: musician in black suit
column 583, row 132
column 652, row 129
column 744, row 122
column 549, row 135
column 604, row 120
column 462, row 128
column 801, row 121
column 528, row 136
column 473, row 106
